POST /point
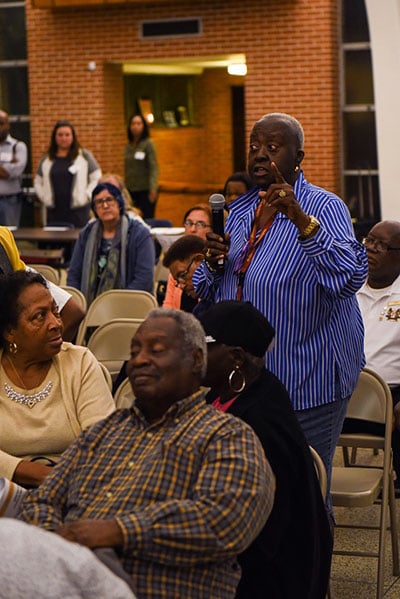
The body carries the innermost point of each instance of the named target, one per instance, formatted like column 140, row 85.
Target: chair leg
column 382, row 536
column 393, row 528
column 346, row 459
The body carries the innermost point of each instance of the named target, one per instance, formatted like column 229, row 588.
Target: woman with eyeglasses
column 66, row 177
column 289, row 249
column 197, row 221
column 113, row 251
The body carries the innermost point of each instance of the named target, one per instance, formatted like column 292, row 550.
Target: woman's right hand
column 30, row 473
column 216, row 249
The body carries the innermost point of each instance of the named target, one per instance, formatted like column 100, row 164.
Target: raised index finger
column 277, row 174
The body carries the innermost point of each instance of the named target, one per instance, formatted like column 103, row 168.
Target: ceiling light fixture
column 237, row 69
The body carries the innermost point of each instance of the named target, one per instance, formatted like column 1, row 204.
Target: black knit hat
column 238, row 324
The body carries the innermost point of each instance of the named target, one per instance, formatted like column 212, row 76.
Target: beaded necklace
column 28, row 399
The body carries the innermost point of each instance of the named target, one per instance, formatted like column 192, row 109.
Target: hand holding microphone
column 217, row 203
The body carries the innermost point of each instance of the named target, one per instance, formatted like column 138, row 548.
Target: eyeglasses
column 109, row 201
column 180, row 279
column 200, row 224
column 378, row 245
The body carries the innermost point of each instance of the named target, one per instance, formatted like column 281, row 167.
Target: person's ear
column 198, row 258
column 299, row 157
column 9, row 335
column 238, row 355
column 198, row 361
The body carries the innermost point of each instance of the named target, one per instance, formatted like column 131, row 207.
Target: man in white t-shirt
column 379, row 300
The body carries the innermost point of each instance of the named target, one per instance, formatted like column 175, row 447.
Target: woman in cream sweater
column 49, row 390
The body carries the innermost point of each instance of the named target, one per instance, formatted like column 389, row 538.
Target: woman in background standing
column 66, row 177
column 141, row 168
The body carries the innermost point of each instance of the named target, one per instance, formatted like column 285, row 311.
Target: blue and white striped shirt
column 306, row 289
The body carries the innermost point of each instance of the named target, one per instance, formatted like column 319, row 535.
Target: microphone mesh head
column 217, row 200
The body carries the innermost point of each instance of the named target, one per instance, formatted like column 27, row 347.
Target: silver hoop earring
column 297, row 168
column 13, row 348
column 234, row 372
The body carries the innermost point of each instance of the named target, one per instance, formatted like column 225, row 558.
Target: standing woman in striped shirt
column 290, row 250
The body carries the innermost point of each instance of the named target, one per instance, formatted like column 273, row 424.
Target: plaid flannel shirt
column 189, row 493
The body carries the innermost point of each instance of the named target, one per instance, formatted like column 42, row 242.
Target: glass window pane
column 362, row 196
column 358, row 77
column 355, row 22
column 14, row 90
column 359, row 140
column 12, row 33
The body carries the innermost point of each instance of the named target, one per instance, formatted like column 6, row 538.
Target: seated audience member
column 70, row 311
column 70, row 570
column 182, row 259
column 235, row 186
column 177, row 487
column 49, row 390
column 292, row 554
column 197, row 221
column 112, row 251
column 379, row 301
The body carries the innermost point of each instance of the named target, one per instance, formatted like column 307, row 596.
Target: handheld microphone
column 217, row 203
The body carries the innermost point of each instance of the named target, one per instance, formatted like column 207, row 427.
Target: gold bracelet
column 310, row 229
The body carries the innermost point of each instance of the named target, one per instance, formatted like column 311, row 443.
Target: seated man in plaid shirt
column 176, row 487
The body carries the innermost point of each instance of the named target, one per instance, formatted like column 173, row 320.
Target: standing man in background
column 13, row 158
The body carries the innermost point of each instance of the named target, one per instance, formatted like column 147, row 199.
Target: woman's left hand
column 280, row 195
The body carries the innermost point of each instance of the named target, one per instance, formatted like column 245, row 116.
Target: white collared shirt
column 380, row 309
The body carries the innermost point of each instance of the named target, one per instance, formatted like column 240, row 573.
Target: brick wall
column 291, row 47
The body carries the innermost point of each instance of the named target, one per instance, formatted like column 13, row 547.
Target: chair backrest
column 320, row 470
column 111, row 342
column 124, row 395
column 77, row 295
column 116, row 303
column 48, row 272
column 369, row 399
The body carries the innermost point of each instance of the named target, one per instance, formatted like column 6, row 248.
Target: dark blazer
column 291, row 557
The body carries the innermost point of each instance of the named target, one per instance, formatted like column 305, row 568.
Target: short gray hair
column 193, row 336
column 291, row 122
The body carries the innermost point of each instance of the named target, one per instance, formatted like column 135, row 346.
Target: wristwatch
column 311, row 228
